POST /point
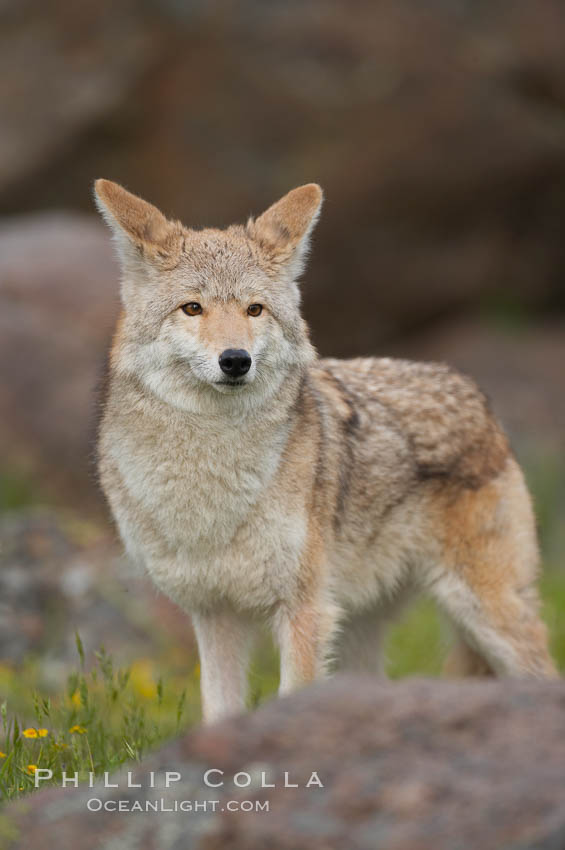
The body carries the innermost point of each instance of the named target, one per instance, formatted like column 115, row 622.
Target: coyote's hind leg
column 359, row 645
column 486, row 581
column 463, row 660
column 360, row 641
column 504, row 630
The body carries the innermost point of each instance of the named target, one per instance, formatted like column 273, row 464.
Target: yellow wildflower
column 2, row 755
column 35, row 733
column 80, row 730
column 31, row 768
column 141, row 678
column 75, row 699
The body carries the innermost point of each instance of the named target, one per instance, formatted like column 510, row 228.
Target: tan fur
column 227, row 321
column 465, row 661
column 487, row 541
column 312, row 494
column 148, row 228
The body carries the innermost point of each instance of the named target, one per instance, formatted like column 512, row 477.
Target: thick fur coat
column 309, row 494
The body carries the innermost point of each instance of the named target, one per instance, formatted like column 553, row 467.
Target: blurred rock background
column 437, row 130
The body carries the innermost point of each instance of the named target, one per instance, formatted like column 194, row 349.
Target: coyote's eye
column 255, row 309
column 192, row 308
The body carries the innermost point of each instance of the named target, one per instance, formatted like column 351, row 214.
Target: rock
column 58, row 301
column 404, row 766
column 65, row 67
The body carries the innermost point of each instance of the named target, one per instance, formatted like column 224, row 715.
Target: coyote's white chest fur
column 256, row 481
column 200, row 494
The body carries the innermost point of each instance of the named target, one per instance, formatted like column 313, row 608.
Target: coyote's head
column 211, row 313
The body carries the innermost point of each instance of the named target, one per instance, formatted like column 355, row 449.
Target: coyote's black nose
column 235, row 362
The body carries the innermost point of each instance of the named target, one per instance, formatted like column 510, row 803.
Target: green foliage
column 545, row 473
column 553, row 595
column 103, row 718
column 16, row 491
column 415, row 645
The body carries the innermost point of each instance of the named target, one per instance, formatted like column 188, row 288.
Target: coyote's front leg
column 305, row 639
column 224, row 643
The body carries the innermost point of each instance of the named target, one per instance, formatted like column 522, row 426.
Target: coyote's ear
column 139, row 228
column 284, row 229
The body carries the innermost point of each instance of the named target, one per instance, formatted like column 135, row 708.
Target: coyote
column 258, row 483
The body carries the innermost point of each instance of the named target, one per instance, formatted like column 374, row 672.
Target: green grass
column 552, row 586
column 16, row 491
column 104, row 718
column 416, row 643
